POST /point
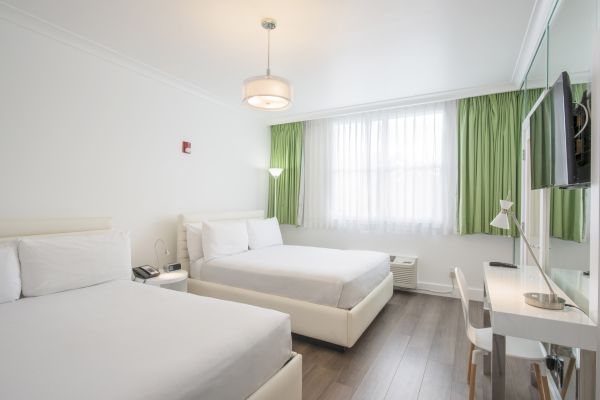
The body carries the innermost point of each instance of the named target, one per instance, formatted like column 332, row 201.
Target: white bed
column 126, row 340
column 329, row 277
column 331, row 295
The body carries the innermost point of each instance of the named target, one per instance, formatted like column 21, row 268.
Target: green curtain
column 489, row 130
column 541, row 143
column 567, row 214
column 489, row 164
column 567, row 206
column 286, row 153
column 577, row 91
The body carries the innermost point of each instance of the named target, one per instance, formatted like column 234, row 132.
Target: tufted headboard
column 182, row 252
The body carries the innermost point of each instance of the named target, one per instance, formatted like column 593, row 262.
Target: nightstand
column 176, row 280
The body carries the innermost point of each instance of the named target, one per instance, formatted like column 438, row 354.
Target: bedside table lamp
column 275, row 172
column 542, row 300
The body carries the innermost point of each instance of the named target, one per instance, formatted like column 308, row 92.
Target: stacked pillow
column 194, row 241
column 263, row 233
column 38, row 266
column 221, row 239
column 58, row 263
column 10, row 278
column 214, row 239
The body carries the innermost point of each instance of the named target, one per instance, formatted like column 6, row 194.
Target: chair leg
column 538, row 380
column 470, row 362
column 473, row 373
column 546, row 388
column 568, row 376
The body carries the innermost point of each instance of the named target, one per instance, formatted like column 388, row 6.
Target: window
column 393, row 170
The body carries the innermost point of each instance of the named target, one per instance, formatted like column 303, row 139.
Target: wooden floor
column 415, row 349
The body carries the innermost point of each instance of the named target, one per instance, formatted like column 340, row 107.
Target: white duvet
column 330, row 277
column 126, row 340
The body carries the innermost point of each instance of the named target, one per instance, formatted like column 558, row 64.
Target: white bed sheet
column 126, row 340
column 330, row 277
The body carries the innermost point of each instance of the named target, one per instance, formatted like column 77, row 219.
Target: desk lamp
column 549, row 301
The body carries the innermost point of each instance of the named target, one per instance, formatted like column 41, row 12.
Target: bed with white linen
column 331, row 295
column 117, row 339
column 329, row 277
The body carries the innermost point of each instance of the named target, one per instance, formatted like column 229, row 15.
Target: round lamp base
column 544, row 300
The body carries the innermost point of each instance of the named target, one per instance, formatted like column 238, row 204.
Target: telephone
column 145, row 272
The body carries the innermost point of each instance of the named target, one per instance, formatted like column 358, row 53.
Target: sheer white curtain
column 392, row 170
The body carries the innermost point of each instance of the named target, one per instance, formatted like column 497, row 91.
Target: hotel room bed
column 330, row 295
column 126, row 340
column 148, row 343
column 330, row 277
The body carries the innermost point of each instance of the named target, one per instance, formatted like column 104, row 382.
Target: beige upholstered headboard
column 182, row 252
column 15, row 228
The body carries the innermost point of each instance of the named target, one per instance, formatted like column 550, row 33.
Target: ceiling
column 336, row 53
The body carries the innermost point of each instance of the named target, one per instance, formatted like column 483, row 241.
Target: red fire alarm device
column 186, row 147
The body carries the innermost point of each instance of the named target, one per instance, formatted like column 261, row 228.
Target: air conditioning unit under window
column 404, row 270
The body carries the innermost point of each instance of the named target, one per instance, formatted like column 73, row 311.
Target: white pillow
column 58, row 263
column 10, row 279
column 263, row 233
column 221, row 239
column 194, row 242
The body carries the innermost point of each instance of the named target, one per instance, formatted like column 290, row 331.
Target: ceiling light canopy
column 268, row 92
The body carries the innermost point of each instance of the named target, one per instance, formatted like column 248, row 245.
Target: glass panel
column 535, row 82
column 536, row 79
column 571, row 33
column 537, row 76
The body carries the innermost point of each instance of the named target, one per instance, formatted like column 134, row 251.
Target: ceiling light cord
column 268, row 52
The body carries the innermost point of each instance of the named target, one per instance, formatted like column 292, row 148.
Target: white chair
column 481, row 343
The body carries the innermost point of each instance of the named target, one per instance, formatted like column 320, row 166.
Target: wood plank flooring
column 415, row 349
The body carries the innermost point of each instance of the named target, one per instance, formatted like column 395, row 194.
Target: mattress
column 126, row 340
column 330, row 277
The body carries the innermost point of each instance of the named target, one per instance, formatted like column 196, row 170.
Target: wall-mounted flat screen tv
column 560, row 138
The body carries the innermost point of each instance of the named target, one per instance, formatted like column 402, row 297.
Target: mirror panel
column 535, row 82
column 571, row 33
column 537, row 76
column 570, row 48
column 567, row 45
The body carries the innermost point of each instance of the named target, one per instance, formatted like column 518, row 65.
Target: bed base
column 328, row 324
column 320, row 343
column 285, row 384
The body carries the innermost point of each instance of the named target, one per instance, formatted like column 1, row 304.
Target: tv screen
column 559, row 133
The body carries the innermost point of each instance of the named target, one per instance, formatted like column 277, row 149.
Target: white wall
column 83, row 136
column 437, row 254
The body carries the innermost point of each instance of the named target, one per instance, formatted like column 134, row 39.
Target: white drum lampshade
column 267, row 92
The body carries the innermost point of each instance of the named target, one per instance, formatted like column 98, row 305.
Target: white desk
column 511, row 316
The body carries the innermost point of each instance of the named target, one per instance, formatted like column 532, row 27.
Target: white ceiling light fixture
column 268, row 92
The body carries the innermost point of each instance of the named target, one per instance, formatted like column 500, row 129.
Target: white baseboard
column 440, row 289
